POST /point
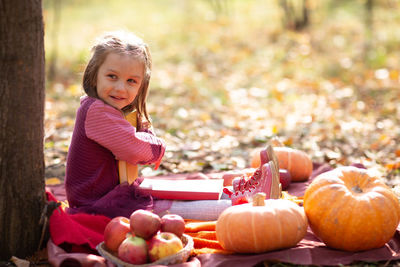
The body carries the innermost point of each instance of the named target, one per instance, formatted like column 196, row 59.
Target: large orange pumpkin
column 261, row 226
column 295, row 161
column 349, row 209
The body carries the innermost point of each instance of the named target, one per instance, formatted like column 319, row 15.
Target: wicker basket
column 179, row 257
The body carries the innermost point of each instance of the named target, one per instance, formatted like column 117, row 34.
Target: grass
column 244, row 45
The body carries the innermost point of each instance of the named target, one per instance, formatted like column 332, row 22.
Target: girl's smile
column 119, row 79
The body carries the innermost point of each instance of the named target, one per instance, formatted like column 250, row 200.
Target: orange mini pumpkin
column 349, row 209
column 261, row 226
column 295, row 161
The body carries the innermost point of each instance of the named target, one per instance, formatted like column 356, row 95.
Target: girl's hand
column 145, row 125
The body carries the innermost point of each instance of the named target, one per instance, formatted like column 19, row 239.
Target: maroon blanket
column 310, row 251
column 73, row 235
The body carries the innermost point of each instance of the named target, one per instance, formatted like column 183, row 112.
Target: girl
column 116, row 81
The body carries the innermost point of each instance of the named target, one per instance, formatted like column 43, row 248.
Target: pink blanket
column 65, row 248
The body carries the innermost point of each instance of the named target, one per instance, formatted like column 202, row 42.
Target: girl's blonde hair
column 120, row 42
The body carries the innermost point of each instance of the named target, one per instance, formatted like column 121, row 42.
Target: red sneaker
column 266, row 155
column 264, row 179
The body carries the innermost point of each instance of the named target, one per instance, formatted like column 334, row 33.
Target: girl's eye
column 112, row 76
column 132, row 81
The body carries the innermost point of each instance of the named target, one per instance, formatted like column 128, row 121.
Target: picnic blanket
column 74, row 237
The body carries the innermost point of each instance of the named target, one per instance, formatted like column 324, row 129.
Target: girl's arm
column 107, row 126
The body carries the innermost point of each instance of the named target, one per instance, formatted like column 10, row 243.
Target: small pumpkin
column 261, row 226
column 295, row 161
column 351, row 210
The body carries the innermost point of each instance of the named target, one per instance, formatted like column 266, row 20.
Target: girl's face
column 119, row 79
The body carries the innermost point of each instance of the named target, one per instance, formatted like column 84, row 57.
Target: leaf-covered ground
column 226, row 82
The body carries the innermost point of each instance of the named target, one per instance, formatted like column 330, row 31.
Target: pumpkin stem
column 258, row 199
column 357, row 189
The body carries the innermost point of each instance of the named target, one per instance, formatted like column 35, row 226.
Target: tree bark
column 296, row 14
column 22, row 82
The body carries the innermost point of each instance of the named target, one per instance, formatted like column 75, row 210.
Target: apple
column 145, row 223
column 133, row 250
column 115, row 232
column 173, row 223
column 164, row 244
column 285, row 178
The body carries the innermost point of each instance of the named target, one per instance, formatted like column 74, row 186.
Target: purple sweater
column 101, row 137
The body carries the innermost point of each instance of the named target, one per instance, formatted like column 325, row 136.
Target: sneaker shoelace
column 248, row 184
column 244, row 184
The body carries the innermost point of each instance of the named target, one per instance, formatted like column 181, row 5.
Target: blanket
column 74, row 238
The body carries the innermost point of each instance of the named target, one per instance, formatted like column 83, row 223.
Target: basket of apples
column 145, row 239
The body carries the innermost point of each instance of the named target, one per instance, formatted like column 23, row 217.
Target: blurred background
column 229, row 75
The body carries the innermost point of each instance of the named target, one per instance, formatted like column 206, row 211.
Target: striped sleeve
column 107, row 126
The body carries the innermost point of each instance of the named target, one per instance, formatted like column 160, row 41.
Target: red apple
column 133, row 250
column 145, row 223
column 115, row 232
column 285, row 178
column 173, row 223
column 164, row 244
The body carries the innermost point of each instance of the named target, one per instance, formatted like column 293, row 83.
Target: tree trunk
column 369, row 27
column 296, row 14
column 22, row 195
